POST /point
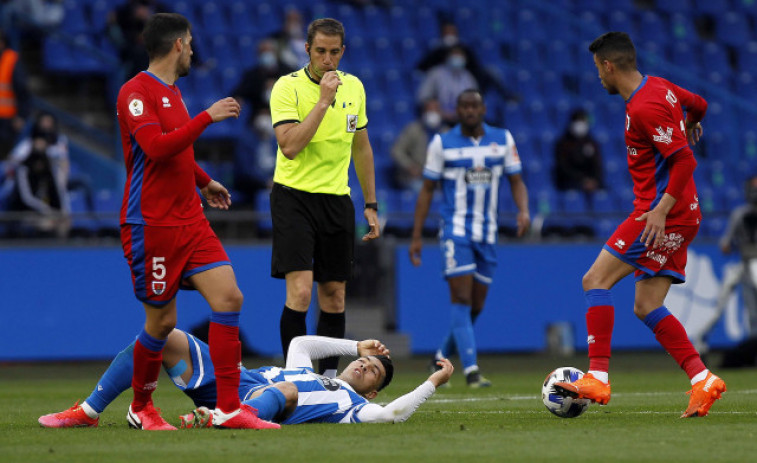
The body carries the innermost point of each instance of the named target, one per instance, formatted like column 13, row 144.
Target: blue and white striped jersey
column 320, row 399
column 470, row 171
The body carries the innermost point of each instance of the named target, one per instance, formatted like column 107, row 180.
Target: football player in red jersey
column 166, row 238
column 661, row 120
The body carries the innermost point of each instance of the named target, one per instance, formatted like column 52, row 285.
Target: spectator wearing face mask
column 449, row 38
column 409, row 149
column 578, row 162
column 446, row 82
column 254, row 89
column 290, row 40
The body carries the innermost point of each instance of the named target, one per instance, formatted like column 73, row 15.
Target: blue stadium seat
column 572, row 202
column 672, row 7
column 214, row 19
column 714, row 56
column 528, row 26
column 240, row 19
column 714, row 7
column 654, row 26
column 263, row 207
column 682, row 25
column 602, row 202
column 748, row 57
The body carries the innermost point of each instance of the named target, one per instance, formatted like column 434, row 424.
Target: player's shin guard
column 465, row 340
column 672, row 336
column 269, row 404
column 291, row 325
column 148, row 356
column 332, row 325
column 226, row 354
column 115, row 380
column 600, row 319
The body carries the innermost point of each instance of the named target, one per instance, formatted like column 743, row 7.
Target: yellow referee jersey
column 322, row 166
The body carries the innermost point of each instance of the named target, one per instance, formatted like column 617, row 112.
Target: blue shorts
column 462, row 257
column 201, row 388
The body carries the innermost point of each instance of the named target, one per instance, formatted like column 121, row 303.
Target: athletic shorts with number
column 162, row 258
column 669, row 259
column 312, row 231
column 462, row 257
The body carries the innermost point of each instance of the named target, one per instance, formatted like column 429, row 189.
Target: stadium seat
column 572, row 202
column 602, row 203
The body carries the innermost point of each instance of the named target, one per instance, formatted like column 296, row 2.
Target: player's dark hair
column 326, row 26
column 468, row 91
column 617, row 48
column 161, row 31
column 388, row 367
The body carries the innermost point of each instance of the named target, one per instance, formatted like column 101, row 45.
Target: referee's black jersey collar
column 307, row 73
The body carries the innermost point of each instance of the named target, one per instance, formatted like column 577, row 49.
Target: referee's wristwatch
column 373, row 206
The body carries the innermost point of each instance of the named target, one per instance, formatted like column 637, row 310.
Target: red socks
column 148, row 356
column 226, row 354
column 671, row 334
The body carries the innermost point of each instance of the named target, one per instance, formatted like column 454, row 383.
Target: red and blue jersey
column 157, row 136
column 656, row 114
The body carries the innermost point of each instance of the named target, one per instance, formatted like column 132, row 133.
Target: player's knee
column 641, row 310
column 591, row 280
column 461, row 297
column 163, row 327
column 290, row 393
column 299, row 297
column 231, row 301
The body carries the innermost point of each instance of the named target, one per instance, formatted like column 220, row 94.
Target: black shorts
column 312, row 231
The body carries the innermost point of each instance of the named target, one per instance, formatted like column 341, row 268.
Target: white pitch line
column 461, row 398
column 539, row 412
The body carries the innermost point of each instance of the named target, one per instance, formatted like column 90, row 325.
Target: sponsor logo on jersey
column 620, row 244
column 632, row 151
column 659, row 258
column 136, row 108
column 328, row 383
column 478, row 177
column 166, row 102
column 351, row 123
column 665, row 136
column 158, row 287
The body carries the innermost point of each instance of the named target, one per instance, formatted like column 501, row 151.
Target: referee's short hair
column 326, row 26
column 161, row 31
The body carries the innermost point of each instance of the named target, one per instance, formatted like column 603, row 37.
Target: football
column 564, row 407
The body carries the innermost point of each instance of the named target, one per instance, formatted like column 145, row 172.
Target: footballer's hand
column 224, row 109
column 216, row 195
column 654, row 230
column 524, row 222
column 415, row 251
column 693, row 132
column 373, row 224
column 371, row 347
column 329, row 84
column 440, row 377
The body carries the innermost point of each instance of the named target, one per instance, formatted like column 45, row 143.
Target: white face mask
column 432, row 120
column 579, row 128
column 456, row 61
column 267, row 59
column 449, row 40
column 263, row 124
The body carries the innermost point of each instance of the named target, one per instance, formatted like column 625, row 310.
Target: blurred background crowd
column 62, row 61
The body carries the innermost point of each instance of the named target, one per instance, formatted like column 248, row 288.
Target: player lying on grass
column 290, row 395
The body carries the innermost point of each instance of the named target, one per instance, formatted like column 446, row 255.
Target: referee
column 320, row 123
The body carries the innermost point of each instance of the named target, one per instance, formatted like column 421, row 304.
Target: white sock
column 470, row 369
column 89, row 410
column 699, row 376
column 601, row 375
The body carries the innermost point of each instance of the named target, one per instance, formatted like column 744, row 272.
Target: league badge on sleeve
column 351, row 123
column 136, row 108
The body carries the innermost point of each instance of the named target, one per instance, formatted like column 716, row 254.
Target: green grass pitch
column 506, row 422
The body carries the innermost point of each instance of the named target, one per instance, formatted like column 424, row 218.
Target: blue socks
column 115, row 380
column 225, row 318
column 462, row 332
column 268, row 404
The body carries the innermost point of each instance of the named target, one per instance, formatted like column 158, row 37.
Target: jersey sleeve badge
column 136, row 108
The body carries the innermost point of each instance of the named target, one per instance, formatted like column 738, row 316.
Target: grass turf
column 506, row 422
